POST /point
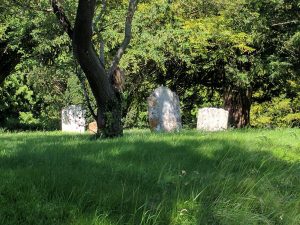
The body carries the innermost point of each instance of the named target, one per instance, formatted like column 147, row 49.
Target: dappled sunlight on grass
column 235, row 177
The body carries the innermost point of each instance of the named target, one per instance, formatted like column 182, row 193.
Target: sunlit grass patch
column 234, row 177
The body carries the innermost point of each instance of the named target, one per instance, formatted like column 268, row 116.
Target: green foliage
column 196, row 48
column 27, row 118
column 16, row 97
column 44, row 80
column 280, row 112
column 293, row 120
column 29, row 102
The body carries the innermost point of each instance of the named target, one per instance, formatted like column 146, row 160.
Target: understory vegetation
column 233, row 177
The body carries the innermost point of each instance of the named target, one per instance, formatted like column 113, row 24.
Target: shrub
column 280, row 112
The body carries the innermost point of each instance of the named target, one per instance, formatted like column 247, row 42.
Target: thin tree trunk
column 238, row 103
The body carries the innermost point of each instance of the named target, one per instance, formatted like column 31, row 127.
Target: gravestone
column 92, row 128
column 212, row 119
column 73, row 119
column 164, row 110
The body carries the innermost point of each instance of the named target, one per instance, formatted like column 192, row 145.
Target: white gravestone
column 164, row 110
column 73, row 119
column 212, row 119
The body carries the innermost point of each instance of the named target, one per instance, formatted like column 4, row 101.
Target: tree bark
column 238, row 103
column 102, row 82
column 107, row 98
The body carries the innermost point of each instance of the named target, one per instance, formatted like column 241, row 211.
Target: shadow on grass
column 73, row 180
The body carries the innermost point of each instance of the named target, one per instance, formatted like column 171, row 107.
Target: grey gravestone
column 212, row 119
column 73, row 119
column 164, row 110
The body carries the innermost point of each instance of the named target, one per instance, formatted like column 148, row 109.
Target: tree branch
column 102, row 13
column 128, row 24
column 285, row 23
column 102, row 49
column 63, row 19
column 102, row 43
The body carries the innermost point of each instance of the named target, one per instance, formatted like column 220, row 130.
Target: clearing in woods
column 234, row 177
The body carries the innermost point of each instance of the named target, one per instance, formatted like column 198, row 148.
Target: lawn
column 235, row 177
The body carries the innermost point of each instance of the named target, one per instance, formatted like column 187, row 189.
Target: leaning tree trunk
column 107, row 97
column 104, row 85
column 238, row 102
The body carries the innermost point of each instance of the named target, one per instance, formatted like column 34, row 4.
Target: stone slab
column 92, row 128
column 73, row 119
column 164, row 111
column 212, row 119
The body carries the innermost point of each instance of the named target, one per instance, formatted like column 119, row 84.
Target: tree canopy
column 241, row 53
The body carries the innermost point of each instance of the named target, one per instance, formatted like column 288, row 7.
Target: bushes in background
column 280, row 112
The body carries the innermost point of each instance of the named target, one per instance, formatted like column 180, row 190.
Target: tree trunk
column 107, row 97
column 104, row 86
column 238, row 102
column 109, row 119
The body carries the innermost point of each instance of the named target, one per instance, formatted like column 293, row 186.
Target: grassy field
column 235, row 177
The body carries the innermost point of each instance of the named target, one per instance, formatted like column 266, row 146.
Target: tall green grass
column 235, row 177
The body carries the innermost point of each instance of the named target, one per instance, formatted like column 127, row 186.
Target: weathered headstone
column 92, row 128
column 73, row 119
column 212, row 119
column 164, row 110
